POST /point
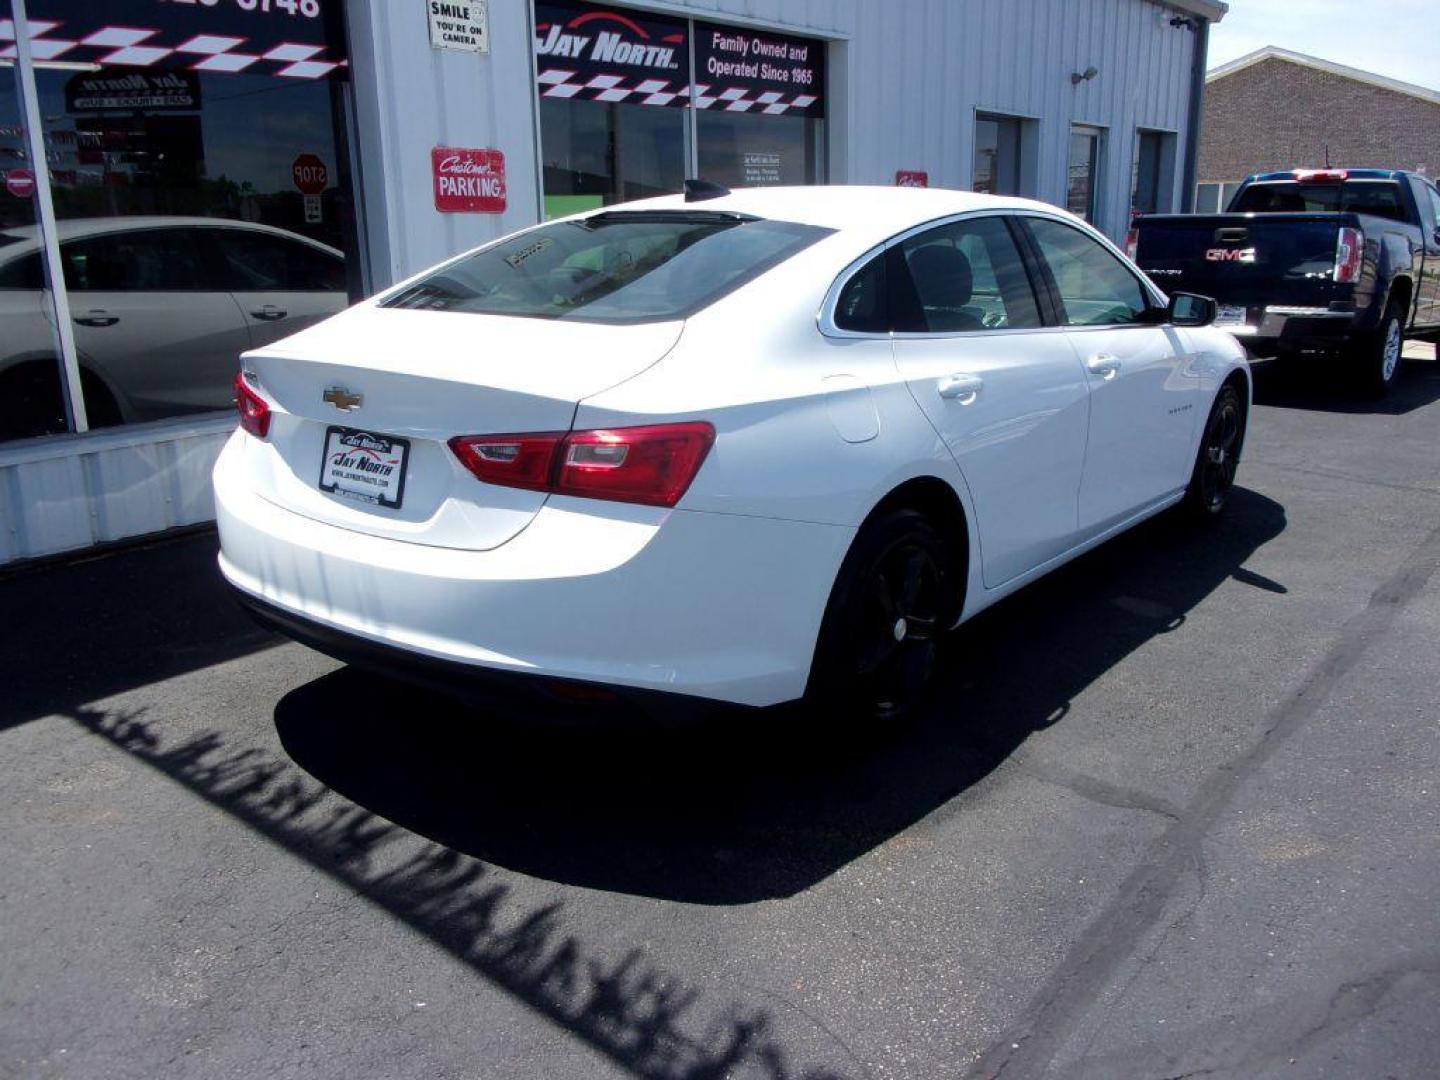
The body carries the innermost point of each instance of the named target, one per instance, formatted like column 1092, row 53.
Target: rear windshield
column 1378, row 197
column 613, row 267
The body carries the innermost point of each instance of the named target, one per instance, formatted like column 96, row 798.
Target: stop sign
column 310, row 174
column 20, row 183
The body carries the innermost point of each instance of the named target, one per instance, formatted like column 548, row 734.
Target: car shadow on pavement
column 764, row 805
column 1322, row 385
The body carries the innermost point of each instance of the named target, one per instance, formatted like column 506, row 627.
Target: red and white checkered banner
column 562, row 83
column 132, row 46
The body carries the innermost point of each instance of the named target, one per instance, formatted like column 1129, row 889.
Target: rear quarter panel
column 809, row 428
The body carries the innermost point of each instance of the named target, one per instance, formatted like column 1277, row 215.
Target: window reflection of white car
column 161, row 308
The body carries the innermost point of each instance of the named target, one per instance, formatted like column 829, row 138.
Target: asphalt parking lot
column 1175, row 812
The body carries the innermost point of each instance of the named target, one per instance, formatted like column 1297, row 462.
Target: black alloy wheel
column 882, row 629
column 1219, row 456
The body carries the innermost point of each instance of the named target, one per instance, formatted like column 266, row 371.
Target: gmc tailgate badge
column 342, row 399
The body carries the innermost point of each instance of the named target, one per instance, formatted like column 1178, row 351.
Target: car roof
column 74, row 228
column 870, row 213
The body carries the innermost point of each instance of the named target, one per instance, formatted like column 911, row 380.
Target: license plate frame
column 1227, row 315
column 359, row 482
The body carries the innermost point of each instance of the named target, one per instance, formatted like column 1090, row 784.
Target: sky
column 1398, row 38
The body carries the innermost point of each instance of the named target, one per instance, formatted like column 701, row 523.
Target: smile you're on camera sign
column 459, row 24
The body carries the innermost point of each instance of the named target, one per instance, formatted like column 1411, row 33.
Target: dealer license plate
column 364, row 466
column 1230, row 315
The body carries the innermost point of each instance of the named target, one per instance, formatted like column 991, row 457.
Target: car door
column 1005, row 393
column 148, row 316
column 1427, row 293
column 1145, row 399
column 281, row 284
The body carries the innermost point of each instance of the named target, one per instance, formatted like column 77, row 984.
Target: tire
column 1380, row 352
column 101, row 408
column 30, row 401
column 892, row 601
column 1218, row 457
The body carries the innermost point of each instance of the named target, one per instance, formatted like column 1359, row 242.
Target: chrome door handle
column 1104, row 365
column 960, row 387
column 96, row 317
column 269, row 313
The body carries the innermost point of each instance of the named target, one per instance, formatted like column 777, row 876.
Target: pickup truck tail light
column 1349, row 255
column 1132, row 243
column 253, row 409
column 652, row 464
column 1333, row 176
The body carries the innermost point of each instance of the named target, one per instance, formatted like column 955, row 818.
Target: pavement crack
column 1117, row 931
column 1092, row 788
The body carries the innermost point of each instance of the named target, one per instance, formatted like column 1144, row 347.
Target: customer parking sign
column 468, row 180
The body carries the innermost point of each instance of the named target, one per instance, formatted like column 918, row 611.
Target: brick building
column 1274, row 109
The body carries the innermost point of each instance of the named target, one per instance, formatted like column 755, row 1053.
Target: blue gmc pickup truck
column 1343, row 261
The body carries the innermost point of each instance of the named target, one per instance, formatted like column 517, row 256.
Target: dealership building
column 186, row 179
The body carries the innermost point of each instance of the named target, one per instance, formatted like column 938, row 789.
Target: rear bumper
column 715, row 606
column 513, row 693
column 1296, row 327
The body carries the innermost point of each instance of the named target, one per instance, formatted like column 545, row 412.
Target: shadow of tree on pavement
column 649, row 1021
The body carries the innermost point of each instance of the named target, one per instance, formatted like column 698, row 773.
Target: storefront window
column 739, row 150
column 760, row 104
column 1083, row 175
column 31, row 399
column 200, row 191
column 597, row 153
column 613, row 90
column 620, row 109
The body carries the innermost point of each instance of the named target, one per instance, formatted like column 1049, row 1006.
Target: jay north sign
column 588, row 43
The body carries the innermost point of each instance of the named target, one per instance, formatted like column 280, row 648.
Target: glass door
column 1083, row 171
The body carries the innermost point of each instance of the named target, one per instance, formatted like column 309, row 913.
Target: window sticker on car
column 524, row 253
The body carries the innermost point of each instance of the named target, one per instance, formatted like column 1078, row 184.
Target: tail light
column 1349, row 255
column 652, row 465
column 1310, row 176
column 1132, row 243
column 253, row 409
column 521, row 461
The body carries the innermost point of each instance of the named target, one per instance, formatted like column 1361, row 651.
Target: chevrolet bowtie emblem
column 342, row 399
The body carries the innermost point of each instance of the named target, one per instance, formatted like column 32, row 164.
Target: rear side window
column 23, row 273
column 863, row 305
column 1095, row 287
column 260, row 262
column 964, row 276
column 613, row 267
column 1380, row 198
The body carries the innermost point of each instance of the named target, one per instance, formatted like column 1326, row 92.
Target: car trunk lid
column 372, row 396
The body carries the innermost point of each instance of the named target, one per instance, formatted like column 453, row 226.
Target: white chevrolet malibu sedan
column 742, row 447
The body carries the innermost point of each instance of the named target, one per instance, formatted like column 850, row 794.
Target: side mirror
column 1188, row 309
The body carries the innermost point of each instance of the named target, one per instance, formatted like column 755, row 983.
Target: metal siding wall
column 72, row 493
column 410, row 98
